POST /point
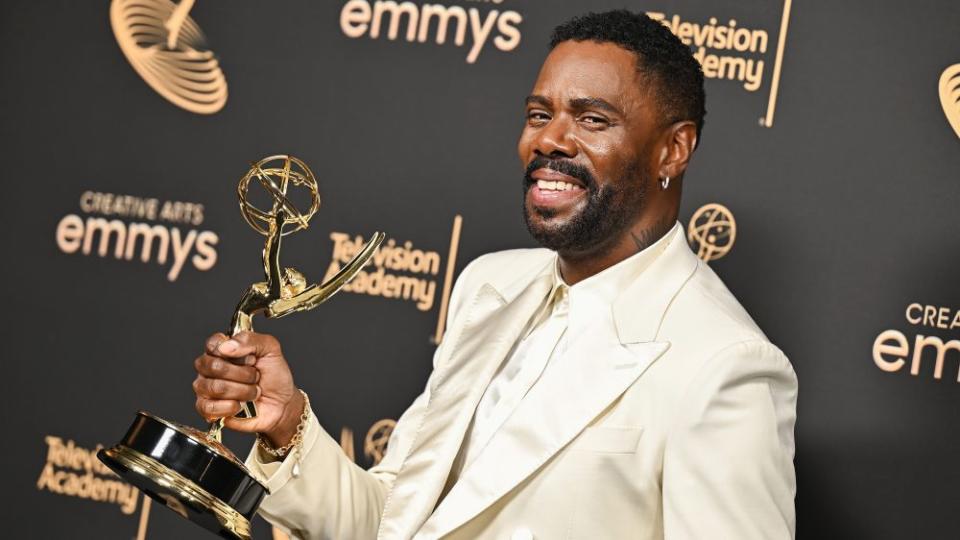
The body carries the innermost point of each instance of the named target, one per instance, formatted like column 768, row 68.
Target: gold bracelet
column 296, row 442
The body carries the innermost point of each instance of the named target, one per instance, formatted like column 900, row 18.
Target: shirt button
column 522, row 533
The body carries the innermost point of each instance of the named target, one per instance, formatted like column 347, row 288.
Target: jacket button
column 522, row 533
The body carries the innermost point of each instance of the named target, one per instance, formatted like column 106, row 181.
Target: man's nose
column 556, row 139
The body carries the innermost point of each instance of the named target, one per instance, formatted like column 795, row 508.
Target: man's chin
column 548, row 231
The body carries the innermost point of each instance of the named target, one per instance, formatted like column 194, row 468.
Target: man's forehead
column 586, row 68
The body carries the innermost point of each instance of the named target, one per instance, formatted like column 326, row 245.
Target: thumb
column 249, row 343
column 246, row 425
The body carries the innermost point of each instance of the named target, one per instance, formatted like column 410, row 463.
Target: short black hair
column 660, row 55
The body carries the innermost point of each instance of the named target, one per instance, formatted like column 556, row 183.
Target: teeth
column 554, row 186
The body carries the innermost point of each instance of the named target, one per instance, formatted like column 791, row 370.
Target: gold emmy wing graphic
column 189, row 470
column 166, row 47
column 950, row 96
column 375, row 443
column 712, row 231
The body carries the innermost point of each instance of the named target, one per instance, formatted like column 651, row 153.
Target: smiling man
column 608, row 386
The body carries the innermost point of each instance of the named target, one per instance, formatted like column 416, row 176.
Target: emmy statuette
column 190, row 470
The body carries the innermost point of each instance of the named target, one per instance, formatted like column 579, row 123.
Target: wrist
column 286, row 428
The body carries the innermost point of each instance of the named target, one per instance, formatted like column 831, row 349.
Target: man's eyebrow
column 595, row 103
column 535, row 99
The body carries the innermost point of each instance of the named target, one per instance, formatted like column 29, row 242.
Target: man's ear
column 678, row 143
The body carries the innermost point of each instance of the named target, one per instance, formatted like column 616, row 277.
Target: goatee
column 608, row 209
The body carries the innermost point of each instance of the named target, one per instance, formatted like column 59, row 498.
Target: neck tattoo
column 645, row 238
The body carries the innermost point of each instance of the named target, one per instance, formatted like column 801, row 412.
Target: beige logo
column 730, row 50
column 126, row 227
column 421, row 23
column 712, row 231
column 375, row 443
column 166, row 47
column 400, row 271
column 76, row 472
column 950, row 96
column 891, row 349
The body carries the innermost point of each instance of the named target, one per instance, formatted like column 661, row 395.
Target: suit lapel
column 593, row 373
column 491, row 326
column 598, row 367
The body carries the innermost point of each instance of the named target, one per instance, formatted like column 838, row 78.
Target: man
column 606, row 387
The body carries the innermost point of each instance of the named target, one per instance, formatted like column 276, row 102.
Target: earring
column 665, row 182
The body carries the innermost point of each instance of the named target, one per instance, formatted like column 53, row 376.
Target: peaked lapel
column 491, row 326
column 602, row 364
column 593, row 373
column 639, row 310
column 598, row 367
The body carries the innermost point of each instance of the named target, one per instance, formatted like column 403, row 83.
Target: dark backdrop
column 845, row 198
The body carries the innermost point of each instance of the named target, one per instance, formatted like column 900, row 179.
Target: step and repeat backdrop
column 825, row 193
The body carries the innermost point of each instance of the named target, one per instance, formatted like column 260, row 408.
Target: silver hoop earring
column 665, row 182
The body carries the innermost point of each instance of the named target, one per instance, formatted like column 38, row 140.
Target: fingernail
column 228, row 346
column 250, row 360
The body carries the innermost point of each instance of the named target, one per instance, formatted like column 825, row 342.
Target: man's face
column 586, row 146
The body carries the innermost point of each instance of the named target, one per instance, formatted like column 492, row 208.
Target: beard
column 609, row 208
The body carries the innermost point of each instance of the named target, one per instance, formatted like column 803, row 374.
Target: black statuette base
column 197, row 478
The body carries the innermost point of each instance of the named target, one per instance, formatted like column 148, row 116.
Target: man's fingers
column 221, row 389
column 214, row 341
column 248, row 343
column 217, row 408
column 217, row 368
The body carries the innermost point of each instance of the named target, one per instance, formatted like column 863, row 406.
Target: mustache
column 564, row 166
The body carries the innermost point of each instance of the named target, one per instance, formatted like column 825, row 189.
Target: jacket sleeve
column 728, row 459
column 332, row 497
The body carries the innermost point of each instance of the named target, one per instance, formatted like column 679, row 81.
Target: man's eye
column 595, row 120
column 537, row 117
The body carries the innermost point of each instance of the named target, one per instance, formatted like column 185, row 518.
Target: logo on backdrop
column 892, row 348
column 729, row 50
column 712, row 231
column 950, row 96
column 400, row 271
column 116, row 225
column 166, row 47
column 422, row 23
column 374, row 444
column 76, row 472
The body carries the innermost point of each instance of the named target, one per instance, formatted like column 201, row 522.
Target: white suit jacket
column 676, row 422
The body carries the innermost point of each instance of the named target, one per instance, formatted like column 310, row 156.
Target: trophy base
column 197, row 478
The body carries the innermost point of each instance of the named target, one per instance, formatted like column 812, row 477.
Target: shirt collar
column 596, row 294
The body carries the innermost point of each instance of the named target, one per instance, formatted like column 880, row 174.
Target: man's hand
column 248, row 367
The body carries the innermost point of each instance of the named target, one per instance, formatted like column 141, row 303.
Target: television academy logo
column 401, row 271
column 729, row 50
column 950, row 96
column 167, row 49
column 712, row 231
column 74, row 471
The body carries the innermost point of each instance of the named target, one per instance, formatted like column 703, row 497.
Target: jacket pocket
column 607, row 440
